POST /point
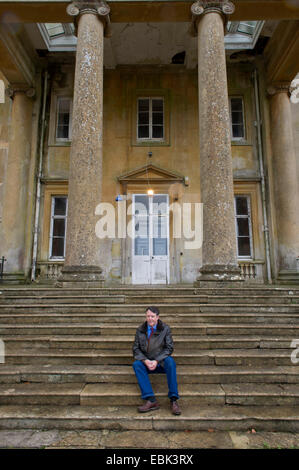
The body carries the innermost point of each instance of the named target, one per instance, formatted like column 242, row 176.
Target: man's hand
column 151, row 365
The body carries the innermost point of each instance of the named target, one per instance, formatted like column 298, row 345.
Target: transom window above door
column 150, row 119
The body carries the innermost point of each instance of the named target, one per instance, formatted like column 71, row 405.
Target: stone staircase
column 68, row 358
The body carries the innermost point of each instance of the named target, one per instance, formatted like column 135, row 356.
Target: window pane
column 54, row 29
column 159, row 226
column 158, row 118
column 59, row 227
column 241, row 206
column 58, row 247
column 160, row 204
column 141, row 204
column 143, row 132
column 143, row 105
column 157, row 132
column 63, row 132
column 143, row 118
column 236, row 104
column 63, row 121
column 141, row 246
column 159, row 235
column 243, row 227
column 160, row 246
column 141, row 236
column 247, row 27
column 60, row 206
column 238, row 130
column 141, row 227
column 237, row 117
column 64, row 105
column 157, row 105
column 244, row 246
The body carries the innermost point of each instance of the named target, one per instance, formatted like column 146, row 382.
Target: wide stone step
column 74, row 329
column 103, row 394
column 165, row 308
column 102, row 299
column 227, row 357
column 41, row 394
column 43, row 291
column 124, row 374
column 137, row 318
column 129, row 394
column 248, row 308
column 169, row 290
column 193, row 418
column 152, row 299
column 58, row 299
column 261, row 394
column 195, row 394
column 125, row 342
column 115, row 330
column 92, row 308
column 253, row 299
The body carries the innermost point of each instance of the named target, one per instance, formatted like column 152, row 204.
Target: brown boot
column 175, row 408
column 149, row 406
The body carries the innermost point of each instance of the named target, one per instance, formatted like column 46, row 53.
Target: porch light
column 150, row 192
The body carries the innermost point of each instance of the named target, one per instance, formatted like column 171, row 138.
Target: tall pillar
column 285, row 178
column 219, row 250
column 16, row 183
column 82, row 260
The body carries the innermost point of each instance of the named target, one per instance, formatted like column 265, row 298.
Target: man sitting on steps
column 152, row 351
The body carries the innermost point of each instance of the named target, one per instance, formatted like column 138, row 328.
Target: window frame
column 249, row 217
column 58, row 99
column 244, row 137
column 52, row 217
column 150, row 93
column 150, row 124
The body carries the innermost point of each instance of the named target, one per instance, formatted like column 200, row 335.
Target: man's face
column 151, row 318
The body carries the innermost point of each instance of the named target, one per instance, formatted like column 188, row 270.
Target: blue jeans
column 141, row 372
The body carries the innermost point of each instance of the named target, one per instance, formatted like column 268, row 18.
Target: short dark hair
column 153, row 309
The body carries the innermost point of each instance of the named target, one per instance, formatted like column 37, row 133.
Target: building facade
column 149, row 142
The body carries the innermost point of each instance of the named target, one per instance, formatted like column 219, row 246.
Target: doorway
column 150, row 239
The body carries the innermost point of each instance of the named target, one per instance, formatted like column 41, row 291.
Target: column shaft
column 285, row 181
column 16, row 185
column 82, row 262
column 219, row 251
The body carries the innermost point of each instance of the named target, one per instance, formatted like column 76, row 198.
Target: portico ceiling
column 139, row 40
column 143, row 43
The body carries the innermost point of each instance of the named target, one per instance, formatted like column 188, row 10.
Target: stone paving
column 105, row 439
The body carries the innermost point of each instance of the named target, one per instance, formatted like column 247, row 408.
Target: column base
column 80, row 276
column 219, row 276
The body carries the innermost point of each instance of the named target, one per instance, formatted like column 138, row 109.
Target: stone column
column 219, row 251
column 285, row 178
column 16, row 183
column 82, row 260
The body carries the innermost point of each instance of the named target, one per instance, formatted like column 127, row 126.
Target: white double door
column 150, row 243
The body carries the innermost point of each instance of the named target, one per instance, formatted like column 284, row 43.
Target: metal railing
column 2, row 261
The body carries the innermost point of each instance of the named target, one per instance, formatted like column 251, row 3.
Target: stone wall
column 122, row 153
